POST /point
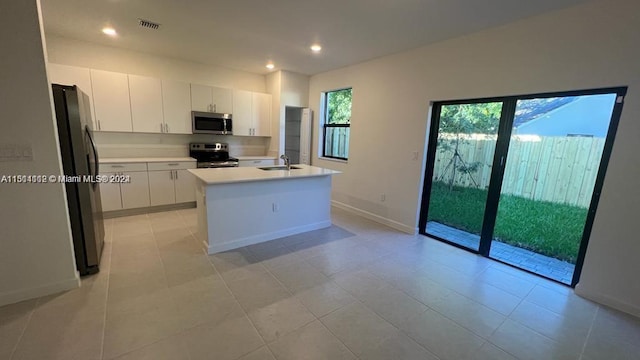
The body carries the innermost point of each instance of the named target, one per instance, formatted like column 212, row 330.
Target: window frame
column 326, row 125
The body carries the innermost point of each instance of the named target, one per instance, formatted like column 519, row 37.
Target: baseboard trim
column 377, row 218
column 608, row 301
column 147, row 210
column 255, row 239
column 35, row 292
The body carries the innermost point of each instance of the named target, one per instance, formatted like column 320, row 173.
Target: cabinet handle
column 176, row 174
column 171, row 174
column 214, row 108
column 117, row 166
column 173, row 164
column 99, row 125
column 167, row 127
column 256, row 161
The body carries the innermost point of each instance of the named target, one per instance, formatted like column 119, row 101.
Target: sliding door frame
column 499, row 162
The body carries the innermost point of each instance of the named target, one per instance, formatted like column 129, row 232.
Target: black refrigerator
column 80, row 166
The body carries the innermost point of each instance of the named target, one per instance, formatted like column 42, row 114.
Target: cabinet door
column 161, row 187
column 110, row 195
column 111, row 100
column 146, row 104
column 222, row 99
column 200, row 97
column 176, row 103
column 72, row 75
column 242, row 113
column 135, row 194
column 261, row 114
column 185, row 184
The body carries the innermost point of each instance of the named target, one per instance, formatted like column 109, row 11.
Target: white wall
column 36, row 252
column 85, row 54
column 288, row 89
column 274, row 87
column 588, row 46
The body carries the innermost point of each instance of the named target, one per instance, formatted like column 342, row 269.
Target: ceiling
column 246, row 34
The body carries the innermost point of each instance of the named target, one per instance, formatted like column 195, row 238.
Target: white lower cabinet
column 135, row 193
column 257, row 162
column 171, row 183
column 110, row 195
column 130, row 194
column 185, row 184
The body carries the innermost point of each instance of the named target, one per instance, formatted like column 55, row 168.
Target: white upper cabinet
column 261, row 114
column 176, row 103
column 72, row 75
column 146, row 104
column 242, row 120
column 200, row 97
column 211, row 99
column 222, row 100
column 251, row 113
column 111, row 100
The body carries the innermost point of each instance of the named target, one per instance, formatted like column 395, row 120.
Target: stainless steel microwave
column 211, row 123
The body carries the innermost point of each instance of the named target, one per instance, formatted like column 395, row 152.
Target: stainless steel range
column 212, row 155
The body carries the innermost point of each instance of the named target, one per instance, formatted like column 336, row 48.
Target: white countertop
column 254, row 157
column 247, row 174
column 144, row 160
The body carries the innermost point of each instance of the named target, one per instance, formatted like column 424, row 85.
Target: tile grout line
column 588, row 337
column 316, row 318
column 164, row 271
column 106, row 298
column 15, row 347
column 246, row 314
column 380, row 316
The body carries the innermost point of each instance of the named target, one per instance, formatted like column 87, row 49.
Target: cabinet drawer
column 177, row 165
column 123, row 167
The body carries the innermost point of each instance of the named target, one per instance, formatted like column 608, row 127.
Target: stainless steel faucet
column 287, row 163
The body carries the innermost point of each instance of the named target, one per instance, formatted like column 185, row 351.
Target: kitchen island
column 247, row 205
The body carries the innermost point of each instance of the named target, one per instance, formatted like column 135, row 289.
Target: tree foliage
column 457, row 121
column 470, row 118
column 339, row 107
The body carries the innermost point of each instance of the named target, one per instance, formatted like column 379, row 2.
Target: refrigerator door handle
column 95, row 155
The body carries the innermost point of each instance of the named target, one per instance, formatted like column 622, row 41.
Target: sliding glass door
column 466, row 136
column 518, row 178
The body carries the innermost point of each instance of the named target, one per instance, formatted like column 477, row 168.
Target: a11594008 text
column 43, row 179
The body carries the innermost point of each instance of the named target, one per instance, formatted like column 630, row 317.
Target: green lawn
column 547, row 228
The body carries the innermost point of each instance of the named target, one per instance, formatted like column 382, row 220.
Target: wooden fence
column 337, row 141
column 556, row 169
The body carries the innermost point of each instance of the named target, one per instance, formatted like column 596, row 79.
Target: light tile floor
column 357, row 290
column 552, row 268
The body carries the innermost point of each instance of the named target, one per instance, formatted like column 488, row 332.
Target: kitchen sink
column 282, row 167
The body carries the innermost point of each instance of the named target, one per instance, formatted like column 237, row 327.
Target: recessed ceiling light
column 316, row 48
column 109, row 31
column 270, row 66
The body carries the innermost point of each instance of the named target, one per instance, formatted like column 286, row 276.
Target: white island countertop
column 247, row 174
column 255, row 157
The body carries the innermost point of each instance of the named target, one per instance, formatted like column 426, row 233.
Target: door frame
column 499, row 162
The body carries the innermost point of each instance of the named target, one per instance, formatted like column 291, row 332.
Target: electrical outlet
column 275, row 207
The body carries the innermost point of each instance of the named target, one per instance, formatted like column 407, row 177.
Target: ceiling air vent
column 148, row 24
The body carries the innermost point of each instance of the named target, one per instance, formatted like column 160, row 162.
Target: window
column 337, row 122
